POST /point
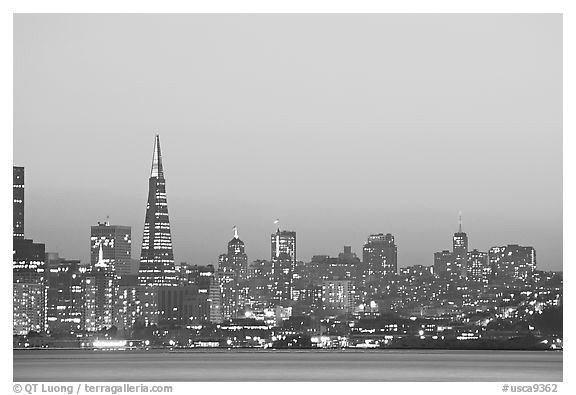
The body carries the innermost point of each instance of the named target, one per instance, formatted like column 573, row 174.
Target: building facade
column 478, row 267
column 512, row 263
column 116, row 242
column 283, row 252
column 460, row 250
column 100, row 295
column 338, row 296
column 18, row 202
column 29, row 289
column 232, row 273
column 380, row 256
column 65, row 296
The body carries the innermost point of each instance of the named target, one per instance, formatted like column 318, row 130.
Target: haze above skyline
column 338, row 125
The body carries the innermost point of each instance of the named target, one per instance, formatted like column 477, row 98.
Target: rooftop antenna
column 235, row 232
column 460, row 221
column 107, row 220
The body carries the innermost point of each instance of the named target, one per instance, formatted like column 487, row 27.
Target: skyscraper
column 232, row 270
column 100, row 293
column 237, row 257
column 460, row 249
column 380, row 256
column 283, row 251
column 64, row 295
column 283, row 241
column 18, row 202
column 29, row 290
column 214, row 301
column 116, row 243
column 445, row 265
column 28, row 269
column 157, row 258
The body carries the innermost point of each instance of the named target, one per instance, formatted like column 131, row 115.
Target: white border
column 300, row 6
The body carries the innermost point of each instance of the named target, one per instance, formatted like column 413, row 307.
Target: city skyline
column 291, row 151
column 157, row 164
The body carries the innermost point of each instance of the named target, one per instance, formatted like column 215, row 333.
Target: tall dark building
column 283, row 241
column 380, row 256
column 65, row 296
column 18, row 201
column 283, row 251
column 460, row 249
column 157, row 258
column 28, row 286
column 100, row 294
column 116, row 242
column 237, row 257
column 512, row 263
column 232, row 270
column 445, row 265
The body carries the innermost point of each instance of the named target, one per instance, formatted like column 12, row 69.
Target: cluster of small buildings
column 341, row 301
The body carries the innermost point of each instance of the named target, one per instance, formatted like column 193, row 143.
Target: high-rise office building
column 380, row 256
column 29, row 290
column 460, row 249
column 237, row 258
column 28, row 268
column 283, row 251
column 232, row 270
column 157, row 258
column 65, row 297
column 512, row 263
column 18, row 202
column 283, row 241
column 100, row 295
column 445, row 265
column 116, row 243
column 215, row 301
column 282, row 281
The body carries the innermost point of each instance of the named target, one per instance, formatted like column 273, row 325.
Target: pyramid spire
column 157, row 257
column 157, row 170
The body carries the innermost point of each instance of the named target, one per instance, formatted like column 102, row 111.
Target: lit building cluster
column 345, row 301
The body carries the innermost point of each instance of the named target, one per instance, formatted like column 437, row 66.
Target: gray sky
column 339, row 125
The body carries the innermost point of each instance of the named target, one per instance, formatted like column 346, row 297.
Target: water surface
column 308, row 365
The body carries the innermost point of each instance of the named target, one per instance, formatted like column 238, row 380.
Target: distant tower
column 237, row 257
column 214, row 301
column 283, row 251
column 233, row 268
column 18, row 201
column 283, row 241
column 157, row 258
column 460, row 248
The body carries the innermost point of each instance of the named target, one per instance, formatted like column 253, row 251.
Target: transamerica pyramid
column 157, row 258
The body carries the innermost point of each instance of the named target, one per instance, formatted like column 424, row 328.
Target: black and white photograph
column 287, row 197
